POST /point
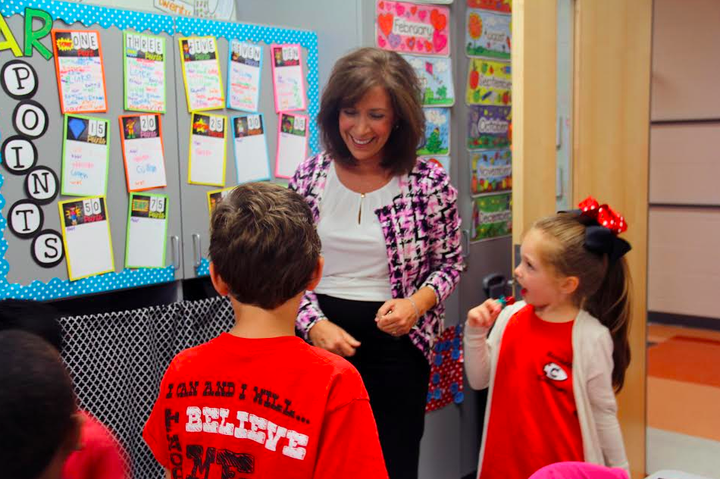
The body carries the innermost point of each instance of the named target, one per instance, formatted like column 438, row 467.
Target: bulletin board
column 25, row 37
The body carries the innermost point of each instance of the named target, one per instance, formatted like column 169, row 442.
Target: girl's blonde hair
column 604, row 286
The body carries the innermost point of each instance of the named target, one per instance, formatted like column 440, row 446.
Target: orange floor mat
column 688, row 359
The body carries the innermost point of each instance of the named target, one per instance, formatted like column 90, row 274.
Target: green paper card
column 86, row 151
column 144, row 72
column 146, row 241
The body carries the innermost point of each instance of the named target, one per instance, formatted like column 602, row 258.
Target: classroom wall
column 684, row 264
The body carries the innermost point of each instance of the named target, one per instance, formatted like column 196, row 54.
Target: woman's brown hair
column 604, row 286
column 351, row 78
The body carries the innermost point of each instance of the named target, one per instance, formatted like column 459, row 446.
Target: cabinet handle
column 465, row 244
column 197, row 250
column 175, row 251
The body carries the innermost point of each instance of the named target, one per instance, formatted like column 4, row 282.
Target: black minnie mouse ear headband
column 601, row 234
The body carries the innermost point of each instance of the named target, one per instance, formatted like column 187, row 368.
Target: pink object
column 579, row 470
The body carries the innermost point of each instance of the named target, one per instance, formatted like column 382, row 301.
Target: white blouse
column 353, row 245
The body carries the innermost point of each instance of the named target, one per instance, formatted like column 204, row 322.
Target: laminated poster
column 244, row 70
column 146, row 241
column 489, row 83
column 410, row 28
column 80, row 71
column 492, row 216
column 489, row 127
column 86, row 151
column 142, row 148
column 437, row 132
column 252, row 162
column 502, row 6
column 490, row 171
column 144, row 72
column 201, row 73
column 207, row 150
column 487, row 34
column 86, row 237
column 215, row 196
column 435, row 74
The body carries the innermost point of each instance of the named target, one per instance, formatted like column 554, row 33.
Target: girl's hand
column 397, row 316
column 333, row 338
column 484, row 316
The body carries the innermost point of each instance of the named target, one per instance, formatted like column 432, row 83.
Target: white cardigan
column 592, row 382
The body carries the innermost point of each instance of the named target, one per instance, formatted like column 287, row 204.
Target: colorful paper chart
column 487, row 34
column 244, row 71
column 144, row 72
column 504, row 6
column 143, row 151
column 252, row 162
column 291, row 145
column 80, row 71
column 86, row 237
column 288, row 78
column 207, row 150
column 215, row 196
column 490, row 171
column 410, row 28
column 437, row 132
column 86, row 152
column 488, row 127
column 489, row 83
column 492, row 216
column 147, row 225
column 201, row 73
column 435, row 74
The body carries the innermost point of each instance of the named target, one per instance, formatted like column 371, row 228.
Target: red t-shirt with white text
column 533, row 418
column 263, row 408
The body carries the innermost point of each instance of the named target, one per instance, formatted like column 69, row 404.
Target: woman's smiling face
column 366, row 126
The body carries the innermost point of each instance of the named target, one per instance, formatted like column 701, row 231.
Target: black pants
column 395, row 373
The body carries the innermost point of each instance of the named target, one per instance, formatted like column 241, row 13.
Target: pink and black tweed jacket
column 422, row 231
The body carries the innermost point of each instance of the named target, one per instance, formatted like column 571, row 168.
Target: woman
column 390, row 233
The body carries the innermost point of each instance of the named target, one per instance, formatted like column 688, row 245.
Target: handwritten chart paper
column 435, row 75
column 488, row 34
column 288, row 79
column 490, row 171
column 86, row 237
column 146, row 231
column 207, row 150
column 415, row 29
column 201, row 72
column 215, row 196
column 144, row 72
column 142, row 148
column 291, row 145
column 86, row 149
column 251, row 154
column 80, row 71
column 244, row 67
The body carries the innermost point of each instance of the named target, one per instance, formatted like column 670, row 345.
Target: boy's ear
column 569, row 284
column 220, row 286
column 317, row 274
column 73, row 439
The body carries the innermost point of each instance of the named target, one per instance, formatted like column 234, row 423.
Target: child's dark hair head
column 604, row 284
column 263, row 244
column 33, row 317
column 37, row 405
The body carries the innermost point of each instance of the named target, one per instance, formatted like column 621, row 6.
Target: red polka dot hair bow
column 603, row 214
column 601, row 232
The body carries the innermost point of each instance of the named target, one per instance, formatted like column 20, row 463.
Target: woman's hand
column 333, row 338
column 397, row 316
column 484, row 316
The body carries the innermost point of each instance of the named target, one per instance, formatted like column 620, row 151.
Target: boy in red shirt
column 258, row 401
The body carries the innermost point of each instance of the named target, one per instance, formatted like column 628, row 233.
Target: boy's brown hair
column 263, row 244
